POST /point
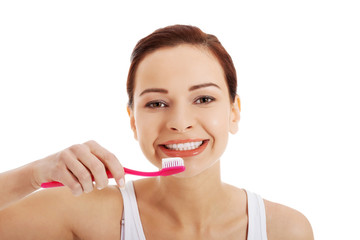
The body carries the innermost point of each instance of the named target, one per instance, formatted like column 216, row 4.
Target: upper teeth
column 184, row 146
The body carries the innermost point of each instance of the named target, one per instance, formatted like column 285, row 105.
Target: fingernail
column 122, row 183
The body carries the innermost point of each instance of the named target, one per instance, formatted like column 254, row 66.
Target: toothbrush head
column 172, row 166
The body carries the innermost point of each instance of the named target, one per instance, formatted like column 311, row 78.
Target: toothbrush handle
column 139, row 173
column 109, row 175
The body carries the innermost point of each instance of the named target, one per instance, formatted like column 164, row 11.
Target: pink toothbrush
column 170, row 166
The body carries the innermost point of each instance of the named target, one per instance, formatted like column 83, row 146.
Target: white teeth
column 184, row 146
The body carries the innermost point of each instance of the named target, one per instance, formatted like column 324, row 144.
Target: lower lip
column 184, row 153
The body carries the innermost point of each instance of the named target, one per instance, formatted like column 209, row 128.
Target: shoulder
column 94, row 215
column 286, row 223
column 57, row 214
column 96, row 210
column 98, row 201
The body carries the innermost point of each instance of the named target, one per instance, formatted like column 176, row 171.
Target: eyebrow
column 192, row 88
column 159, row 90
column 203, row 85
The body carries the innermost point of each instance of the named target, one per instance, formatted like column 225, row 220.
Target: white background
column 63, row 68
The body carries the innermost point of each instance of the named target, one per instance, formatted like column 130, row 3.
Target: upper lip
column 182, row 141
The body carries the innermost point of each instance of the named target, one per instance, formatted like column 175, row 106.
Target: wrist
column 34, row 171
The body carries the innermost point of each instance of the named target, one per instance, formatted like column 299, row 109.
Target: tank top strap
column 131, row 228
column 257, row 217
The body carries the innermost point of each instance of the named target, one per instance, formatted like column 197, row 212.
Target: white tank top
column 131, row 228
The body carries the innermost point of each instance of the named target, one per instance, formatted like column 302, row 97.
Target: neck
column 197, row 199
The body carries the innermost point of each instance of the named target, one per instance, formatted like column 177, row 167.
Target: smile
column 186, row 148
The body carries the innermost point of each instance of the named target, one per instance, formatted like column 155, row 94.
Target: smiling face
column 182, row 107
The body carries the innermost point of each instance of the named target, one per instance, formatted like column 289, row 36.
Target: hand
column 74, row 166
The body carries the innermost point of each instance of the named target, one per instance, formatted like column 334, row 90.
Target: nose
column 180, row 120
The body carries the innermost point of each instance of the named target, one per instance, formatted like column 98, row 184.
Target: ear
column 235, row 115
column 132, row 121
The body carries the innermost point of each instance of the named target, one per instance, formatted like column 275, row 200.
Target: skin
column 194, row 204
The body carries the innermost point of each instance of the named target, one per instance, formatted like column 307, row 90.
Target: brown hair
column 181, row 34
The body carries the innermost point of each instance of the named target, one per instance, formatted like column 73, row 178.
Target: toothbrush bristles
column 172, row 162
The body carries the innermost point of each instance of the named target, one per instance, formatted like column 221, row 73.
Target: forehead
column 186, row 64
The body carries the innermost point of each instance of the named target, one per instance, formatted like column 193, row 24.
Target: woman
column 182, row 92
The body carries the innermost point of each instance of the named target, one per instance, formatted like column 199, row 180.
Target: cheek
column 147, row 131
column 216, row 120
column 216, row 124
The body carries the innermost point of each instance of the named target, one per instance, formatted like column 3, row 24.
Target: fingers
column 81, row 164
column 61, row 173
column 109, row 160
column 88, row 165
column 70, row 181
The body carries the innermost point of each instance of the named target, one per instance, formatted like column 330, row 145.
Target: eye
column 204, row 100
column 156, row 104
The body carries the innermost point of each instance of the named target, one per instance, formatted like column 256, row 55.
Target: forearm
column 16, row 184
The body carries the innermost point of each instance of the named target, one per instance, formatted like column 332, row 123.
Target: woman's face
column 182, row 107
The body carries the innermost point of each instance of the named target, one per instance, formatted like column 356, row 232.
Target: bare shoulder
column 100, row 214
column 57, row 214
column 286, row 223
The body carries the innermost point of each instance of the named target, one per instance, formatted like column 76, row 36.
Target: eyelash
column 162, row 104
column 152, row 103
column 208, row 100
